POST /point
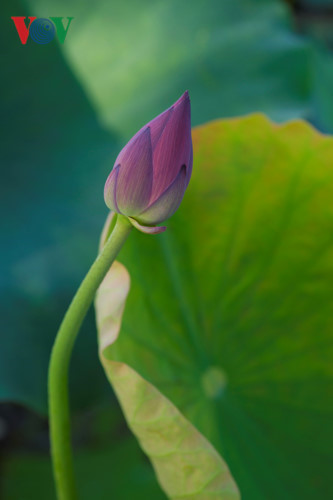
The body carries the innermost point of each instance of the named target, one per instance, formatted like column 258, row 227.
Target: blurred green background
column 66, row 110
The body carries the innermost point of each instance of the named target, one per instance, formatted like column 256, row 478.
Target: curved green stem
column 61, row 449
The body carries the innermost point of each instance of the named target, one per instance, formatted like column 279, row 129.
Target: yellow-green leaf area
column 229, row 313
column 186, row 464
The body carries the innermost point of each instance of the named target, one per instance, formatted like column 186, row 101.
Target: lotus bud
column 152, row 172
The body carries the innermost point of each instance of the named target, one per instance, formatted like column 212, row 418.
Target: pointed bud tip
column 153, row 169
column 184, row 97
column 147, row 130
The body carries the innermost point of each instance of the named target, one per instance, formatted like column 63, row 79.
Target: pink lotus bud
column 152, row 172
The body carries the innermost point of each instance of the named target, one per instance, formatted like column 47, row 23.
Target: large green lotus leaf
column 229, row 314
column 117, row 472
column 186, row 464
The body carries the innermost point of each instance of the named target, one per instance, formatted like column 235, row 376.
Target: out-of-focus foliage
column 314, row 18
column 117, row 471
column 133, row 57
column 235, row 57
column 229, row 311
column 323, row 83
column 51, row 154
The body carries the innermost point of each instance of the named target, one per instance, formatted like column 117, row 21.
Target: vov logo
column 41, row 30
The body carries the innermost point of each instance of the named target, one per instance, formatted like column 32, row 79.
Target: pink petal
column 110, row 189
column 189, row 166
column 146, row 229
column 156, row 126
column 173, row 149
column 134, row 183
column 167, row 203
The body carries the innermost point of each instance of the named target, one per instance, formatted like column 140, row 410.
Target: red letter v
column 22, row 30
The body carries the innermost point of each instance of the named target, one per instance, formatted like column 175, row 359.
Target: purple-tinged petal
column 189, row 167
column 173, row 148
column 146, row 229
column 182, row 98
column 154, row 168
column 134, row 183
column 156, row 126
column 110, row 189
column 167, row 203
